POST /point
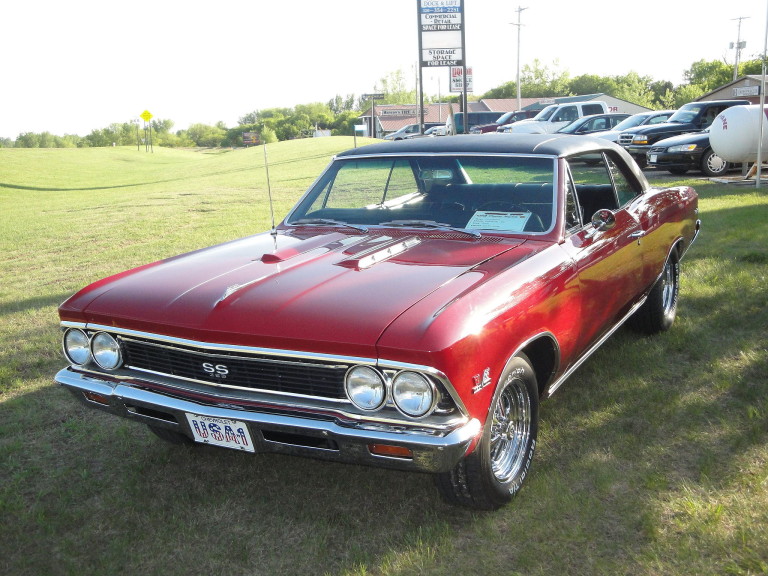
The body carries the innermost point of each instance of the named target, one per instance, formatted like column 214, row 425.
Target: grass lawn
column 652, row 459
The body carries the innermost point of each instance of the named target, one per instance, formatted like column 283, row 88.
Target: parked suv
column 692, row 117
column 555, row 116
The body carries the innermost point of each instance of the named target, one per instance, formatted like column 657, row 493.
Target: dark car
column 503, row 120
column 679, row 154
column 591, row 124
column 692, row 117
column 410, row 311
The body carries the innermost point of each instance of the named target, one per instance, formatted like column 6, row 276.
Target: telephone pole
column 739, row 45
column 519, row 25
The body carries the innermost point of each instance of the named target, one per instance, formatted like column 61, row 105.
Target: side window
column 592, row 183
column 599, row 183
column 590, row 109
column 573, row 216
column 624, row 190
column 566, row 114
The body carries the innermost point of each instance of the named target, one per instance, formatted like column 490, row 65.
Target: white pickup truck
column 555, row 116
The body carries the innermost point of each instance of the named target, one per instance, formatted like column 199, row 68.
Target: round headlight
column 414, row 395
column 76, row 346
column 105, row 351
column 365, row 388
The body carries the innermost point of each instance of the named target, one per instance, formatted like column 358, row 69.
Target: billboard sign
column 457, row 77
column 441, row 24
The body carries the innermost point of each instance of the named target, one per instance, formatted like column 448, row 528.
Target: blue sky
column 71, row 67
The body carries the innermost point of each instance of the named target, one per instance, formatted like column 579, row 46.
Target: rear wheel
column 658, row 312
column 490, row 476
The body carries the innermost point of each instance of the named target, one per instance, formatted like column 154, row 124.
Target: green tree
column 395, row 89
column 709, row 75
column 205, row 135
column 537, row 81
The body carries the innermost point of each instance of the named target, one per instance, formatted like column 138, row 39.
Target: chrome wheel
column 510, row 431
column 669, row 288
column 494, row 472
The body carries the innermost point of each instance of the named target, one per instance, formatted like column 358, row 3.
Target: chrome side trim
column 559, row 382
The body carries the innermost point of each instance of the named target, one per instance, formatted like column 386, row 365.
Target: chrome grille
column 625, row 139
column 234, row 370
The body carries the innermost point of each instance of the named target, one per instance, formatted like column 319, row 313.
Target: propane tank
column 735, row 132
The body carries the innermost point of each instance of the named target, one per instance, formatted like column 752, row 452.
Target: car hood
column 320, row 292
column 660, row 128
column 690, row 138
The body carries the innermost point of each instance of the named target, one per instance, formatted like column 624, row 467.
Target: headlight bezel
column 106, row 351
column 682, row 148
column 355, row 396
column 82, row 352
column 401, row 398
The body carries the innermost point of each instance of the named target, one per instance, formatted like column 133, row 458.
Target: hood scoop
column 379, row 254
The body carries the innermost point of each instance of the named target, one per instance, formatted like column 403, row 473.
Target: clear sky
column 71, row 66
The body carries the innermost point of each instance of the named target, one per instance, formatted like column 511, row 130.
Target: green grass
column 653, row 459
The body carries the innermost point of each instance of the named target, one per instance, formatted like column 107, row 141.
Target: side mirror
column 603, row 220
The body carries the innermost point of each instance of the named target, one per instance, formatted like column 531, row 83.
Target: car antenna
column 269, row 192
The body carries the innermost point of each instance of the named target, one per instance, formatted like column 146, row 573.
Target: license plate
column 220, row 432
column 653, row 158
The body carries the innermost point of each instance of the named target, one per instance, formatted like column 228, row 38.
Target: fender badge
column 481, row 381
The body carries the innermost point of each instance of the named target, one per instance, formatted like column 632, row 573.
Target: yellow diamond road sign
column 146, row 116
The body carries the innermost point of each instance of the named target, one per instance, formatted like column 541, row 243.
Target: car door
column 608, row 259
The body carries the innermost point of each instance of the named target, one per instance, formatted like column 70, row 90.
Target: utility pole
column 519, row 25
column 739, row 45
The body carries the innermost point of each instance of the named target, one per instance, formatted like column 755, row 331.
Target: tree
column 709, row 75
column 205, row 135
column 394, row 87
column 537, row 81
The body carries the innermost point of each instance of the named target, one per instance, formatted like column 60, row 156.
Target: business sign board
column 251, row 138
column 746, row 91
column 457, row 79
column 441, row 24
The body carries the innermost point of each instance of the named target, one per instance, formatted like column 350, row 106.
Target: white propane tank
column 735, row 132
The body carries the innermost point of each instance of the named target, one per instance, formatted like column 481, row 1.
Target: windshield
column 504, row 193
column 686, row 114
column 546, row 113
column 630, row 122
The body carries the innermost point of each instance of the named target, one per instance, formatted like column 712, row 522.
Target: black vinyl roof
column 544, row 144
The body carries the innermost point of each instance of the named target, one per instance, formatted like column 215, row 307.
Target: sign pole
column 421, row 70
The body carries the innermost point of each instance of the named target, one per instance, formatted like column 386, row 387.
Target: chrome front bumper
column 279, row 432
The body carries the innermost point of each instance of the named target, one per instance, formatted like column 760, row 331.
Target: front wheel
column 491, row 475
column 712, row 164
column 658, row 312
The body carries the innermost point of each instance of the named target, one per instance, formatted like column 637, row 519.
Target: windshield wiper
column 431, row 224
column 329, row 222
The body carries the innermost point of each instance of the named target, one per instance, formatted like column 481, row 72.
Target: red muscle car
column 409, row 312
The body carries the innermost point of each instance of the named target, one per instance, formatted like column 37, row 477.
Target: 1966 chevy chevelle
column 409, row 312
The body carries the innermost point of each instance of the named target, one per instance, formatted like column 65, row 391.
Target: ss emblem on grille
column 215, row 370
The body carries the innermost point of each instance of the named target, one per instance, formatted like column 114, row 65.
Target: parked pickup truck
column 555, row 116
column 691, row 117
